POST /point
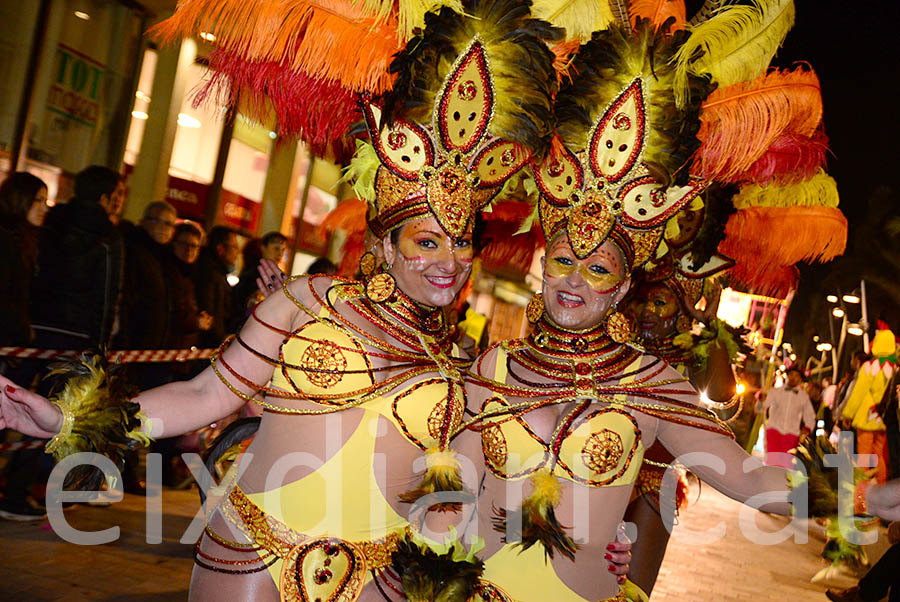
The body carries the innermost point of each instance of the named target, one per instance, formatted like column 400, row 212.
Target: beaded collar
column 553, row 340
column 419, row 327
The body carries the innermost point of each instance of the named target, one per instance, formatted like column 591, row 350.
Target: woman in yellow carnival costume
column 572, row 408
column 320, row 504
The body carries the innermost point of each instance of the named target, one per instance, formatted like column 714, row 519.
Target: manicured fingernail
column 610, row 547
column 10, row 389
column 608, row 556
column 611, row 568
column 272, row 276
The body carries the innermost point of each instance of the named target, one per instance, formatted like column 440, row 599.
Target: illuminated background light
column 185, row 120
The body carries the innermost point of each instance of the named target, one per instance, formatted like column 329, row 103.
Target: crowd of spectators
column 77, row 276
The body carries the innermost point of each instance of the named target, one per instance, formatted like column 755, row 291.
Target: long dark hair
column 17, row 193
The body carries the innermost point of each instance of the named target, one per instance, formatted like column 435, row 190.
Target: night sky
column 852, row 46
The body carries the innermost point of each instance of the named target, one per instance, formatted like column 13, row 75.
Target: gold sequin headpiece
column 620, row 170
column 606, row 191
column 486, row 80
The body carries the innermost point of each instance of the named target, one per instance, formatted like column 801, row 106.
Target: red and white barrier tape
column 17, row 445
column 125, row 357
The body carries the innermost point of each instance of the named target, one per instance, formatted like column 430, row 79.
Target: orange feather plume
column 739, row 123
column 564, row 53
column 346, row 43
column 350, row 218
column 657, row 11
column 776, row 282
column 772, row 237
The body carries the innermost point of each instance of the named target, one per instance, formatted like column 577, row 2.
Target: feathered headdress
column 659, row 109
column 471, row 105
column 620, row 171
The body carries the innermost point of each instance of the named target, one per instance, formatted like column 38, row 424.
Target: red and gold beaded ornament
column 451, row 132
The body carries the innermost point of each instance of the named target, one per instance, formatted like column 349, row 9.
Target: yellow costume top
column 334, row 525
column 592, row 446
column 596, row 442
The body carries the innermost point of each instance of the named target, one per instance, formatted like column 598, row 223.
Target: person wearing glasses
column 147, row 294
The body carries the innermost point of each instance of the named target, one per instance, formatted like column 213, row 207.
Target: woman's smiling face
column 428, row 265
column 578, row 293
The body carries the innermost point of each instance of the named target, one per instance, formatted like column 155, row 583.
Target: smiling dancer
column 363, row 374
column 563, row 417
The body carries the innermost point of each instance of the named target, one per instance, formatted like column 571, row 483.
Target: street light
column 855, row 330
column 851, row 298
column 831, row 298
column 815, row 338
column 824, row 347
column 837, row 312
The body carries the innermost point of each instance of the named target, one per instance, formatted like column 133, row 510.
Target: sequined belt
column 274, row 536
column 314, row 568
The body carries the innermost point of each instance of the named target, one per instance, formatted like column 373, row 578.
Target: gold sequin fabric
column 323, row 363
column 602, row 451
column 274, row 536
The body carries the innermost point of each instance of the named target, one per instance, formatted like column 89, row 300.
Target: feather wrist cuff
column 97, row 417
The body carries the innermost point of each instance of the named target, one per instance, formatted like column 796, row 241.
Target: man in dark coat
column 217, row 260
column 147, row 295
column 77, row 287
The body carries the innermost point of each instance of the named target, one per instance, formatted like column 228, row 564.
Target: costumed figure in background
column 349, row 372
column 661, row 306
column 862, row 409
column 573, row 407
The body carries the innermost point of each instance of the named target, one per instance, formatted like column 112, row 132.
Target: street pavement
column 37, row 565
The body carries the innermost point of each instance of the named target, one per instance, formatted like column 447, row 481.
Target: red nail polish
column 10, row 389
column 611, row 568
column 610, row 547
column 608, row 556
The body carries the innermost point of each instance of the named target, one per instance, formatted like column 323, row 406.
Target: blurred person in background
column 147, row 286
column 214, row 295
column 76, row 290
column 270, row 247
column 187, row 319
column 790, row 414
column 23, row 207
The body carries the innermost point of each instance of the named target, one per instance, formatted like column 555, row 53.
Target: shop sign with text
column 75, row 91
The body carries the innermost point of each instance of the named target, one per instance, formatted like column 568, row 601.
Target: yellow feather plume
column 657, row 11
column 818, row 191
column 739, row 123
column 580, row 18
column 545, row 488
column 362, row 170
column 735, row 45
column 410, row 13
